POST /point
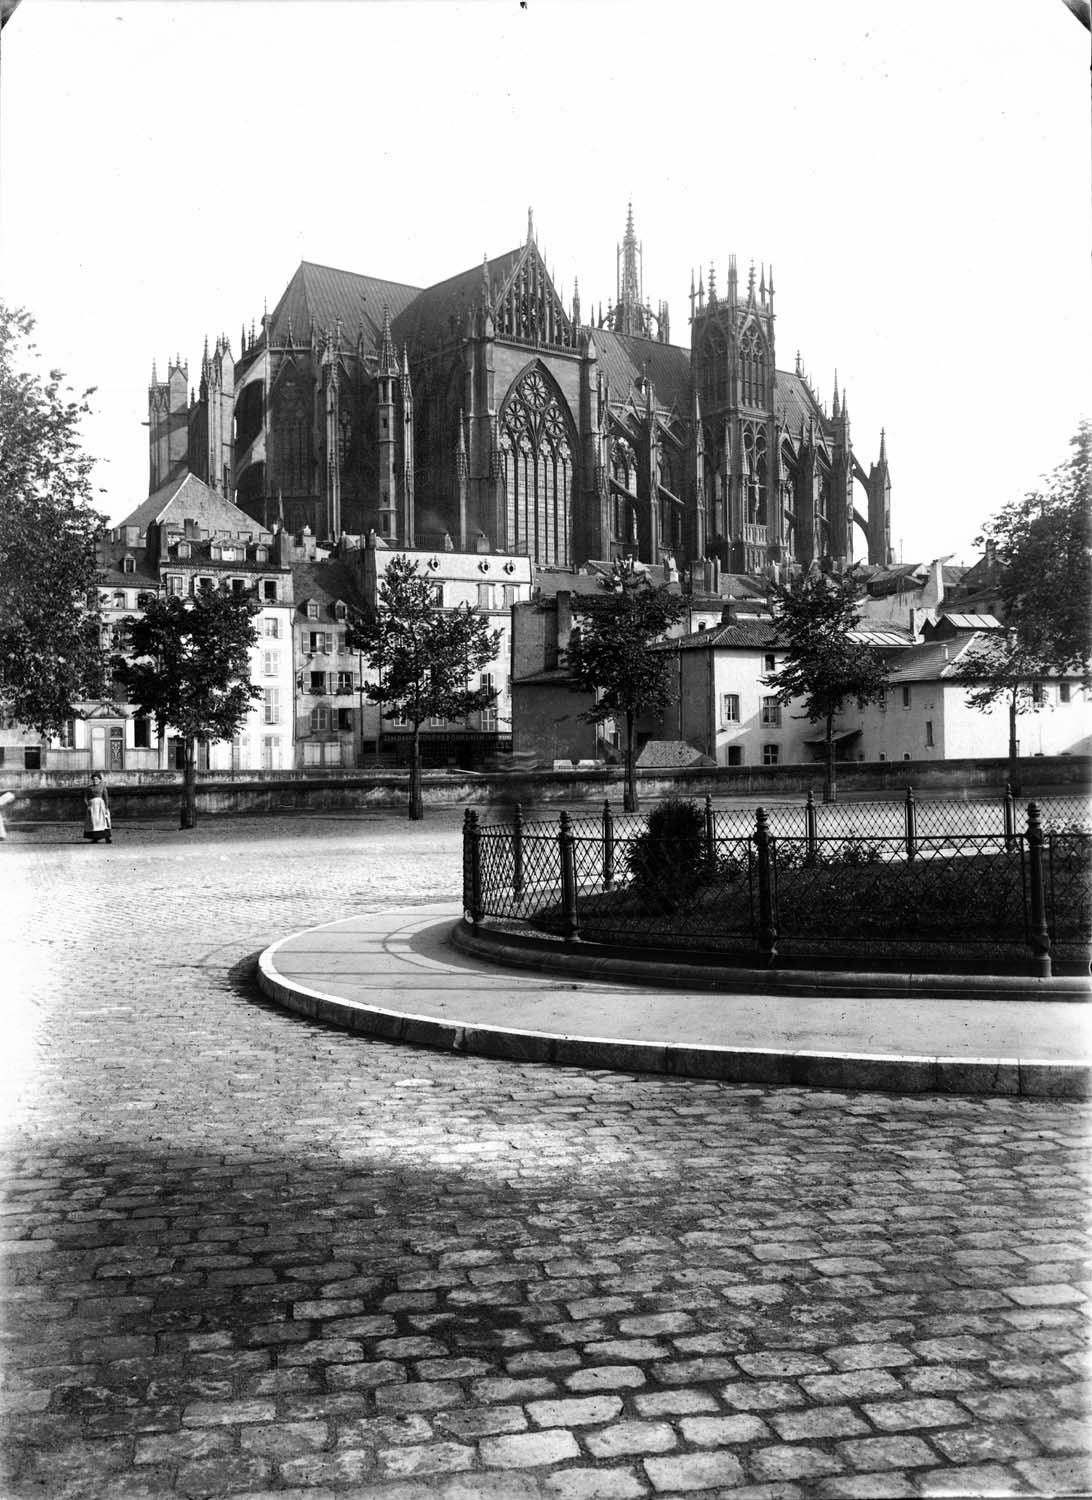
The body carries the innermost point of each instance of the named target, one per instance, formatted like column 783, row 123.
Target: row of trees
column 186, row 663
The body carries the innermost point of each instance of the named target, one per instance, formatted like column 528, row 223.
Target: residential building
column 183, row 536
column 926, row 716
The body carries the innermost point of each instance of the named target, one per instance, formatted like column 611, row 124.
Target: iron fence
column 792, row 883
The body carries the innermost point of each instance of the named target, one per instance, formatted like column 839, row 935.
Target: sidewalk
column 396, row 975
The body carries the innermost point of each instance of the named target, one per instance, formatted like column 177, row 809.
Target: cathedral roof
column 329, row 295
column 427, row 314
column 625, row 359
column 795, row 403
column 189, row 498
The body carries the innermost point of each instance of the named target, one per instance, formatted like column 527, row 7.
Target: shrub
column 668, row 860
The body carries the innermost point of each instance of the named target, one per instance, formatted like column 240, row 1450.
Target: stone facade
column 485, row 411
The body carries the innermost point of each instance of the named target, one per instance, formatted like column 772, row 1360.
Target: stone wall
column 58, row 796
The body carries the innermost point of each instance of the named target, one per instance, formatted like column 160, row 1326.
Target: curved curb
column 893, row 1074
column 593, row 961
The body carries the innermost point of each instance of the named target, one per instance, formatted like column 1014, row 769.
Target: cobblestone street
column 249, row 1256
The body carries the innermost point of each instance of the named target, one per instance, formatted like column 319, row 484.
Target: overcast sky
column 918, row 175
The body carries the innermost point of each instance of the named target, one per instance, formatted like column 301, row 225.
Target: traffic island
column 419, row 977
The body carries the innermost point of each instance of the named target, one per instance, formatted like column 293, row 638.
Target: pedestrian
column 5, row 801
column 96, row 800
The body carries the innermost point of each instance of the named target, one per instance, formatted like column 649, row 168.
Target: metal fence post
column 517, row 854
column 910, row 819
column 1009, row 807
column 567, row 848
column 710, row 836
column 811, row 829
column 472, row 867
column 767, row 930
column 608, row 845
column 1038, row 931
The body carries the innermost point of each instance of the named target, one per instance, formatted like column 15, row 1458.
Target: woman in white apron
column 96, row 823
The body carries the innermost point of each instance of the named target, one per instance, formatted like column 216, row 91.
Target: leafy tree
column 996, row 669
column 615, row 655
column 50, row 627
column 423, row 656
column 814, row 614
column 188, row 663
column 1044, row 547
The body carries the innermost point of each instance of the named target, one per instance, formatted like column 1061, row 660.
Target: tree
column 615, row 655
column 188, row 664
column 424, row 658
column 1043, row 544
column 51, row 654
column 814, row 614
column 995, row 669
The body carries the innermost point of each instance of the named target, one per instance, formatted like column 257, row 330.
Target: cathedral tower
column 733, row 352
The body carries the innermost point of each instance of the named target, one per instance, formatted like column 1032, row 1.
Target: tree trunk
column 830, row 787
column 189, row 787
column 629, row 796
column 1014, row 765
column 416, row 801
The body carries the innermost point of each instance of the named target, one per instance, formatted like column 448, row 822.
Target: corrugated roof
column 327, row 294
column 882, row 633
column 189, row 498
column 973, row 622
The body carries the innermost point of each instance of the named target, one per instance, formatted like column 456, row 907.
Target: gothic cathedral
column 480, row 414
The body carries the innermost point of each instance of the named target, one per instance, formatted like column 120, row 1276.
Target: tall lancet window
column 714, row 367
column 752, row 368
column 754, row 474
column 787, row 497
column 822, row 510
column 537, row 459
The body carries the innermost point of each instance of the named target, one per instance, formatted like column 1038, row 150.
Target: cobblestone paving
column 248, row 1256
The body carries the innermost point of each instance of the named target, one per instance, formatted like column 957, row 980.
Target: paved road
column 250, row 1257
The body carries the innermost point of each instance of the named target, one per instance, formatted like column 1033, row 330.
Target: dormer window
column 340, row 611
column 312, row 610
column 128, row 564
column 184, row 549
column 260, row 554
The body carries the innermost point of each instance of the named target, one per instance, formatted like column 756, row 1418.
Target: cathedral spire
column 712, row 285
column 630, row 317
column 576, row 301
column 883, row 446
column 388, row 365
column 530, row 225
column 836, row 411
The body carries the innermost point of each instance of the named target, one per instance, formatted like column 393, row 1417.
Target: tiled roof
column 744, row 635
column 931, row 662
column 624, row 359
column 327, row 294
column 425, row 315
column 795, row 405
column 110, row 573
column 325, row 581
column 189, row 498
